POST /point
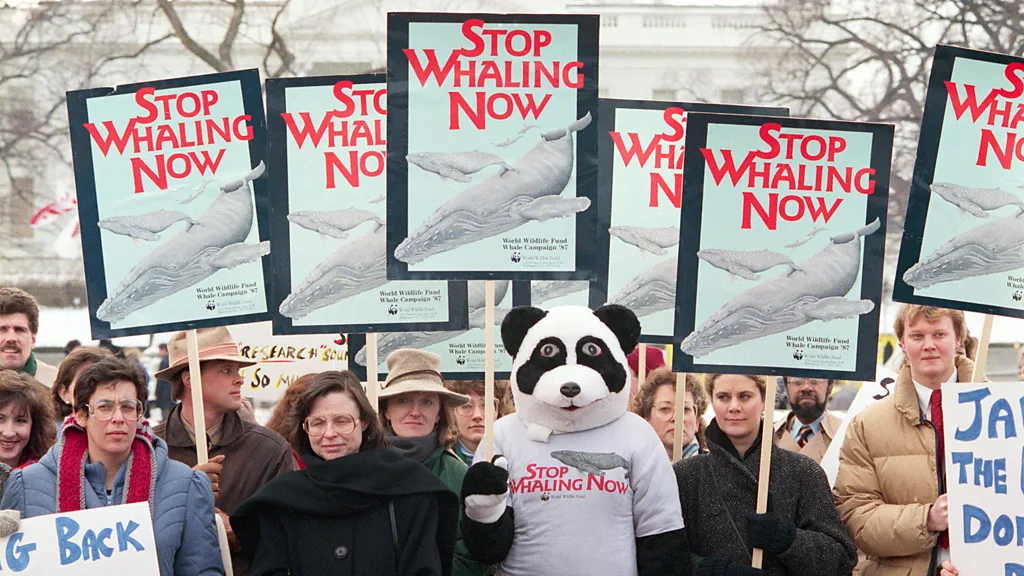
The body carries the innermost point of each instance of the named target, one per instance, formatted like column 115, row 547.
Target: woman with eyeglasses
column 357, row 508
column 106, row 455
column 469, row 417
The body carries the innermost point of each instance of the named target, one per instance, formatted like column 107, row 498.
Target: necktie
column 805, row 436
column 940, row 442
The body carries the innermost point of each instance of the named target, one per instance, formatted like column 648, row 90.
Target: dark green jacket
column 447, row 466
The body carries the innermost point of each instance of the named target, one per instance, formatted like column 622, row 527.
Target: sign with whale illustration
column 327, row 139
column 462, row 351
column 963, row 240
column 641, row 190
column 492, row 146
column 782, row 246
column 172, row 202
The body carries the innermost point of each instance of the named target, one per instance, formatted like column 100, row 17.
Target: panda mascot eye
column 591, row 349
column 549, row 350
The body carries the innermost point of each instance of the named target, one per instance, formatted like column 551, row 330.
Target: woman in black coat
column 357, row 508
column 801, row 534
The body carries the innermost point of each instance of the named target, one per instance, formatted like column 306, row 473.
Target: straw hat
column 214, row 344
column 411, row 370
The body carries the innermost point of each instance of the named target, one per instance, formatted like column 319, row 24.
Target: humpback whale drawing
column 653, row 240
column 591, row 462
column 976, row 201
column 805, row 239
column 543, row 290
column 651, row 291
column 745, row 263
column 996, row 246
column 456, row 165
column 191, row 256
column 502, row 202
column 145, row 226
column 354, row 268
column 334, row 223
column 815, row 292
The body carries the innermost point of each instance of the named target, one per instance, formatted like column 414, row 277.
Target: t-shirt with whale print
column 581, row 499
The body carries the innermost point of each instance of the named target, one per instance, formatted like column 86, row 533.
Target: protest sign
column 550, row 293
column 641, row 189
column 462, row 351
column 327, row 215
column 98, row 542
column 964, row 225
column 985, row 477
column 868, row 394
column 172, row 208
column 492, row 146
column 781, row 253
column 282, row 359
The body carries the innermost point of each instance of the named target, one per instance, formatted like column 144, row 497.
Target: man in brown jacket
column 890, row 488
column 809, row 428
column 243, row 456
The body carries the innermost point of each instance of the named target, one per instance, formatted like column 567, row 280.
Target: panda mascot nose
column 570, row 389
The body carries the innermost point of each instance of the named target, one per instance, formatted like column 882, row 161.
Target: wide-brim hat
column 214, row 344
column 411, row 370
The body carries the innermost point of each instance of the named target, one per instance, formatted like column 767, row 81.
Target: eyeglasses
column 469, row 408
column 317, row 427
column 103, row 410
column 812, row 382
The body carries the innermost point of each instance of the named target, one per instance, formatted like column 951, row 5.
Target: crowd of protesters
column 332, row 486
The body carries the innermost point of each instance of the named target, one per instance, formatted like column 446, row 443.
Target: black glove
column 718, row 566
column 770, row 532
column 485, row 491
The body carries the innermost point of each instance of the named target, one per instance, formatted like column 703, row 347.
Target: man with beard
column 809, row 428
column 19, row 324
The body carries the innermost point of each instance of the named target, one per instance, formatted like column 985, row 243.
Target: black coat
column 334, row 518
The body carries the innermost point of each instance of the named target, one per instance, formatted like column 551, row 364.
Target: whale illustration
column 502, row 202
column 354, row 268
column 238, row 254
column 817, row 291
column 543, row 290
column 806, row 238
column 996, row 246
column 334, row 223
column 456, row 165
column 189, row 256
column 145, row 226
column 508, row 142
column 230, row 185
column 976, row 201
column 591, row 462
column 650, row 292
column 388, row 342
column 653, row 240
column 745, row 263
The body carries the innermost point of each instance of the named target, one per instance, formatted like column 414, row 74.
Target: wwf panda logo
column 516, row 257
column 461, row 360
column 1018, row 296
column 798, row 355
column 393, row 309
column 211, row 305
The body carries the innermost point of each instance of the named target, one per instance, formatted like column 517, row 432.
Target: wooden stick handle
column 198, row 413
column 677, row 440
column 979, row 362
column 489, row 411
column 767, row 431
column 372, row 387
column 641, row 372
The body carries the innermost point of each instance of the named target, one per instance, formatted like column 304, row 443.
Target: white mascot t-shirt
column 585, row 496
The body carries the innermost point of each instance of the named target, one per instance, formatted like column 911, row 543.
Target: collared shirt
column 213, row 432
column 924, row 400
column 797, row 426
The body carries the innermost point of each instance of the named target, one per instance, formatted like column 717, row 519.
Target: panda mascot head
column 569, row 369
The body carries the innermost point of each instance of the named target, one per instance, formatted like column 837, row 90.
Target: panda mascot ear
column 622, row 322
column 516, row 324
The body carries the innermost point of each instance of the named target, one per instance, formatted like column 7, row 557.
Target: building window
column 664, row 94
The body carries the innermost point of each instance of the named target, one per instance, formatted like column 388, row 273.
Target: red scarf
column 73, row 454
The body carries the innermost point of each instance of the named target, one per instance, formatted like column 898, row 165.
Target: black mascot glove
column 485, row 491
column 718, row 566
column 770, row 532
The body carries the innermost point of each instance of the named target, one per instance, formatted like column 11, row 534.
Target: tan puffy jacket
column 887, row 481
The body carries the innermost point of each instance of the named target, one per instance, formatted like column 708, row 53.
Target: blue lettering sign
column 69, row 551
column 974, row 430
column 124, row 536
column 18, row 553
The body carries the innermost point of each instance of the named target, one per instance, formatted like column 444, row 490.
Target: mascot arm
column 666, row 554
column 487, row 520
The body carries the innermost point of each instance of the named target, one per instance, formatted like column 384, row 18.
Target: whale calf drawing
column 354, row 268
column 502, row 202
column 976, row 201
column 815, row 292
column 145, row 226
column 652, row 291
column 591, row 462
column 190, row 256
column 653, row 240
column 455, row 165
column 996, row 246
column 745, row 263
column 544, row 290
column 334, row 223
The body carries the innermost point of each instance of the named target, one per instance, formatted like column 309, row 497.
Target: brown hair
column 445, row 423
column 502, row 393
column 75, row 361
column 909, row 313
column 15, row 300
column 643, row 401
column 760, row 381
column 30, row 395
column 107, row 372
column 326, row 383
column 281, row 419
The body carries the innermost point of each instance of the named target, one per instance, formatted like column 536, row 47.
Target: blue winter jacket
column 186, row 535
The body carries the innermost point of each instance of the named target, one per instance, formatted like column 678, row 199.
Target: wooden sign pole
column 641, row 372
column 372, row 387
column 677, row 441
column 489, row 411
column 767, row 431
column 198, row 413
column 979, row 362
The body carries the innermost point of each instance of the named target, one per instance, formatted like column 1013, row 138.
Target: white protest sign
column 282, row 359
column 869, row 393
column 98, row 542
column 984, row 424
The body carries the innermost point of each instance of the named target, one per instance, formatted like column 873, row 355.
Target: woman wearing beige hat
column 417, row 412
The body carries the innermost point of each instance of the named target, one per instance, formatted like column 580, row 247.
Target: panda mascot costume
column 586, row 487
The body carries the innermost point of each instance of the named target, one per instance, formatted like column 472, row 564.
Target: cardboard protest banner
column 98, row 542
column 492, row 146
column 550, row 293
column 781, row 253
column 985, row 477
column 641, row 190
column 462, row 351
column 327, row 215
column 172, row 208
column 868, row 394
column 964, row 225
column 282, row 359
